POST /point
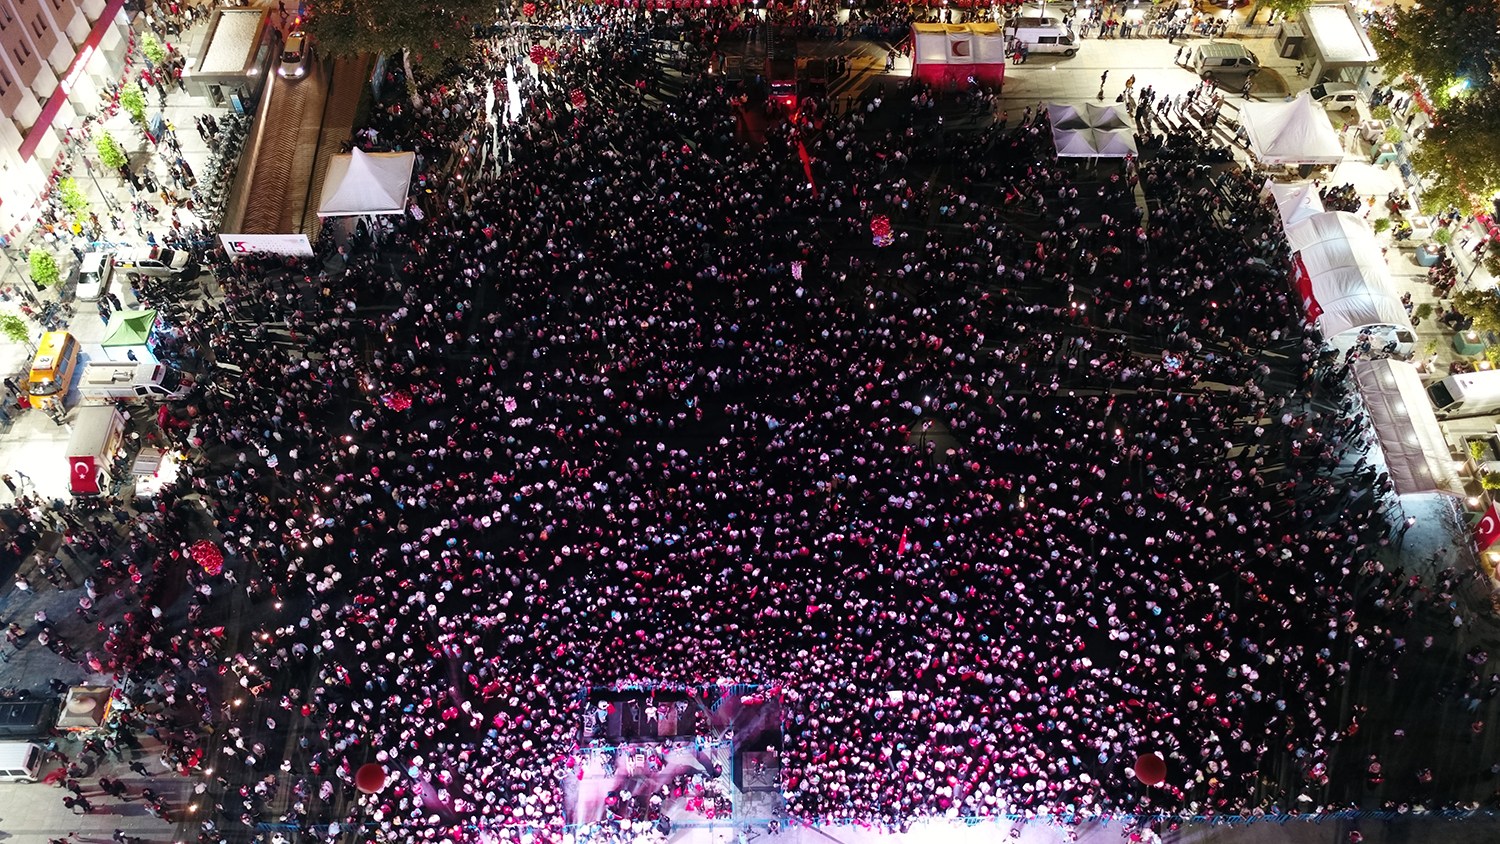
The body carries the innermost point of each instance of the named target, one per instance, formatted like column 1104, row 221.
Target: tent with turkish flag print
column 98, row 433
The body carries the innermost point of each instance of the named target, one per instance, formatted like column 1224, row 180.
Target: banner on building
column 266, row 244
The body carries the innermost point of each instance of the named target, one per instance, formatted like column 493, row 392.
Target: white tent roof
column 1093, row 143
column 1297, row 132
column 1416, row 453
column 1089, row 116
column 1295, row 202
column 1063, row 116
column 366, row 183
column 957, row 43
column 1350, row 281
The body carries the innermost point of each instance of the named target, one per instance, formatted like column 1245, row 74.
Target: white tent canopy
column 1346, row 276
column 1297, row 132
column 363, row 183
column 1093, row 143
column 1416, row 453
column 1294, row 202
column 1088, row 116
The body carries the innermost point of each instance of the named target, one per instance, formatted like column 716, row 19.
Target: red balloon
column 370, row 778
column 1151, row 769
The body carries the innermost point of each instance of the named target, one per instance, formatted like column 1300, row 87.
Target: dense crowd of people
column 994, row 509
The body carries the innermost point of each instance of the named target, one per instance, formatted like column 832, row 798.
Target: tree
column 1441, row 42
column 73, row 200
column 1287, row 8
column 1483, row 306
column 155, row 52
column 1459, row 158
column 14, row 329
column 432, row 31
column 134, row 103
column 43, row 268
column 110, row 152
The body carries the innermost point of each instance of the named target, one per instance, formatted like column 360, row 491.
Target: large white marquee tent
column 1341, row 274
column 1297, row 132
column 364, row 183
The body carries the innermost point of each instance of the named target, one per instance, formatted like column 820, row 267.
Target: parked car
column 1218, row 60
column 156, row 262
column 95, row 272
column 1336, row 95
column 294, row 56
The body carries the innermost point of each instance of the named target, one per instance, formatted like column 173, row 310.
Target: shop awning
column 1416, row 453
column 65, row 84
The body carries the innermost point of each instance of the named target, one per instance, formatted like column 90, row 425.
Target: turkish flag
column 1488, row 529
column 85, row 479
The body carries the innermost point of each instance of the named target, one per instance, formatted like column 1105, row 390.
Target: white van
column 1469, row 394
column 1043, row 35
column 20, row 761
column 110, row 380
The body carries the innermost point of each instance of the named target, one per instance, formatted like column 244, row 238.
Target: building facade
column 56, row 59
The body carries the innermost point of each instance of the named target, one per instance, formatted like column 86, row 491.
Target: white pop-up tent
column 1093, row 143
column 1344, row 281
column 363, row 183
column 1090, row 131
column 1416, row 453
column 1087, row 116
column 1297, row 132
column 1294, row 202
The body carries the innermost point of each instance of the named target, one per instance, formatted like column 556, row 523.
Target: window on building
column 38, row 26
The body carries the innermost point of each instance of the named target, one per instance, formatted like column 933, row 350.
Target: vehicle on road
column 1218, row 61
column 1336, row 95
column 98, row 434
column 294, row 54
column 52, row 369
column 1468, row 394
column 155, row 262
column 95, row 272
column 111, row 381
column 21, row 761
column 1043, row 35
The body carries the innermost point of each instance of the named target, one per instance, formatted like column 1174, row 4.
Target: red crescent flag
column 1488, row 529
column 84, row 477
column 901, row 548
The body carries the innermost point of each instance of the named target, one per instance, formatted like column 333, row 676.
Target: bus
column 52, row 370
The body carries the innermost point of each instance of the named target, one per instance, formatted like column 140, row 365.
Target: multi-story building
column 56, row 57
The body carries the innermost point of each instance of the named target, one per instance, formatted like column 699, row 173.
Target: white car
column 156, row 262
column 294, row 57
column 94, row 275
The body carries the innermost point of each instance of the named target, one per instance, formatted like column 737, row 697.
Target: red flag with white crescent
column 84, row 478
column 1488, row 529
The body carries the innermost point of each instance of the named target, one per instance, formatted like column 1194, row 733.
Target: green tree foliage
column 110, row 152
column 73, row 200
column 1482, row 305
column 1439, row 41
column 432, row 31
column 1287, row 8
column 153, row 49
column 43, row 268
column 134, row 103
column 1459, row 158
column 13, row 328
